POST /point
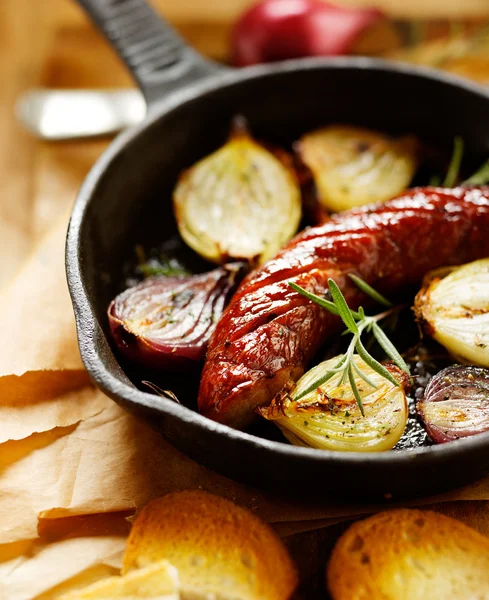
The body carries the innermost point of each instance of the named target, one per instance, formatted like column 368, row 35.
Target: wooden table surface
column 51, row 43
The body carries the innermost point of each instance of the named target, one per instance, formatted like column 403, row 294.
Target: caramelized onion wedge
column 166, row 322
column 240, row 202
column 352, row 166
column 456, row 403
column 329, row 417
column 453, row 307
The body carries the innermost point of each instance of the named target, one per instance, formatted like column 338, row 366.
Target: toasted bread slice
column 218, row 548
column 158, row 581
column 410, row 555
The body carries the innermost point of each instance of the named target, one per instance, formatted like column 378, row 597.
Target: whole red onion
column 274, row 30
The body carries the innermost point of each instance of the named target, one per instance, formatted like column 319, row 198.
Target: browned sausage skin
column 269, row 333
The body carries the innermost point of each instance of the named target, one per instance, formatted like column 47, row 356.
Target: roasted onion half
column 241, row 202
column 456, row 403
column 352, row 166
column 453, row 307
column 329, row 417
column 166, row 322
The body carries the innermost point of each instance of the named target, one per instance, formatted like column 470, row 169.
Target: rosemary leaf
column 480, row 177
column 435, row 181
column 317, row 299
column 342, row 306
column 318, row 383
column 389, row 347
column 327, row 304
column 365, row 377
column 374, row 364
column 455, row 162
column 354, row 388
column 326, row 377
column 367, row 289
column 344, row 375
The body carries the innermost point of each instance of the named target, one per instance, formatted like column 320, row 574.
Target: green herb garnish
column 356, row 322
column 369, row 290
column 162, row 266
column 435, row 181
column 455, row 162
column 480, row 177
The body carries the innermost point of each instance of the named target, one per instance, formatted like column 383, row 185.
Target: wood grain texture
column 226, row 10
column 19, row 70
column 52, row 44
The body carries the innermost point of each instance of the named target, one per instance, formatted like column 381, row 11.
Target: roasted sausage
column 269, row 333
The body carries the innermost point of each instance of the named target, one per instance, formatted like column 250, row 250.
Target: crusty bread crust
column 409, row 555
column 216, row 546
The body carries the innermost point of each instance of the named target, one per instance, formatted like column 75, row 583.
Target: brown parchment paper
column 68, row 557
column 112, row 462
column 39, row 355
column 19, row 420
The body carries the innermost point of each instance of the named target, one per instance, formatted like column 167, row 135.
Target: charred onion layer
column 166, row 322
column 456, row 403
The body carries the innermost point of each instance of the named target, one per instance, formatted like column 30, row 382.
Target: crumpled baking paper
column 70, row 556
column 39, row 355
column 112, row 462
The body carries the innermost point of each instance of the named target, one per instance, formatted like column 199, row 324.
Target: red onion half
column 166, row 322
column 456, row 403
column 274, row 30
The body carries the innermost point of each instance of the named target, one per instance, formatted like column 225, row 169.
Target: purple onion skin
column 165, row 323
column 469, row 388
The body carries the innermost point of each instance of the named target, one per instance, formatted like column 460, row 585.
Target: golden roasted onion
column 352, row 166
column 330, row 419
column 454, row 309
column 240, row 202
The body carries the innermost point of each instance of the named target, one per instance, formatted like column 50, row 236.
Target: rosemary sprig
column 455, row 162
column 369, row 290
column 327, row 304
column 480, row 177
column 356, row 322
column 369, row 323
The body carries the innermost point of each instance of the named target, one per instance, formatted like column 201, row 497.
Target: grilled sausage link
column 269, row 333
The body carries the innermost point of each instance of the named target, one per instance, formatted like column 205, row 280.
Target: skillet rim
column 87, row 324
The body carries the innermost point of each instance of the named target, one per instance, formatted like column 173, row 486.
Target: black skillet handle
column 157, row 57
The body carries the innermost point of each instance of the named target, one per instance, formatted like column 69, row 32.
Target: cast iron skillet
column 126, row 199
